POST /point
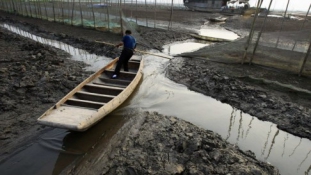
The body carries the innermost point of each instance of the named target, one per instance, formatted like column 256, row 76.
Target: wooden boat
column 218, row 19
column 209, row 38
column 94, row 98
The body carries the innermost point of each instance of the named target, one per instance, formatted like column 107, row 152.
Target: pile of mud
column 151, row 143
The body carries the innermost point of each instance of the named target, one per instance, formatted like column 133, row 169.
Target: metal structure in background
column 279, row 39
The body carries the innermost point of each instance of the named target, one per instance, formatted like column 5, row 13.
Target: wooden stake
column 250, row 36
column 259, row 35
column 305, row 59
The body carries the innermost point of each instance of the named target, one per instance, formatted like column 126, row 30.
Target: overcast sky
column 301, row 5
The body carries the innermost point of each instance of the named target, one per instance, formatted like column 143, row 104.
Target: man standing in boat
column 129, row 44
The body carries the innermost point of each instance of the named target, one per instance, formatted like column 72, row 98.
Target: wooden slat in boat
column 94, row 98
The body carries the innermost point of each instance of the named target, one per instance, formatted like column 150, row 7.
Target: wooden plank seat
column 84, row 103
column 93, row 96
column 102, row 89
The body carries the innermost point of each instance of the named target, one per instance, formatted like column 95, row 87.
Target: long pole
column 277, row 42
column 259, row 35
column 302, row 25
column 250, row 36
column 110, row 44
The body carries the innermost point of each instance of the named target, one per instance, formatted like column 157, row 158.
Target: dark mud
column 52, row 76
column 33, row 76
column 151, row 143
column 248, row 89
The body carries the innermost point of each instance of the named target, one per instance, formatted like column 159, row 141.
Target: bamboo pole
column 136, row 12
column 13, row 7
column 121, row 20
column 155, row 13
column 303, row 25
column 36, row 9
column 81, row 12
column 259, row 35
column 30, row 11
column 62, row 10
column 26, row 10
column 305, row 59
column 40, row 9
column 72, row 12
column 250, row 36
column 146, row 13
column 171, row 16
column 46, row 12
column 93, row 14
column 53, row 7
column 68, row 13
column 110, row 44
column 108, row 17
column 277, row 42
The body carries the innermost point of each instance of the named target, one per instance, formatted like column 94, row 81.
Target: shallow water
column 217, row 32
column 290, row 154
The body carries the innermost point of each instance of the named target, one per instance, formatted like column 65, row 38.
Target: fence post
column 259, row 35
column 155, row 12
column 302, row 25
column 136, row 12
column 46, row 12
column 108, row 18
column 146, row 13
column 171, row 16
column 277, row 42
column 53, row 3
column 305, row 59
column 250, row 36
column 93, row 14
column 72, row 12
column 121, row 20
column 81, row 13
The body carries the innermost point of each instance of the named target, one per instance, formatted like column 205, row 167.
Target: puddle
column 290, row 154
column 217, row 32
column 182, row 47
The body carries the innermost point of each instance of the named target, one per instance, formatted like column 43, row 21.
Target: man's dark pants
column 125, row 56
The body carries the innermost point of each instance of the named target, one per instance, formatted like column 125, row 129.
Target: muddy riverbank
column 203, row 76
column 150, row 143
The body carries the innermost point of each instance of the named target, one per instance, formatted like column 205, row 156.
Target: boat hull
column 77, row 118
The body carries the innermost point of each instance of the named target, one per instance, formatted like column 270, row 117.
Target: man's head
column 128, row 32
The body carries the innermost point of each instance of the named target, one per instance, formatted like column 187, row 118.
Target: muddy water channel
column 58, row 148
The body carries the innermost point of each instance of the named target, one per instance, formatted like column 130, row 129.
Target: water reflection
column 285, row 139
column 296, row 147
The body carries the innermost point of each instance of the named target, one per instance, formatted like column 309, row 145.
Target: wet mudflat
column 230, row 127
